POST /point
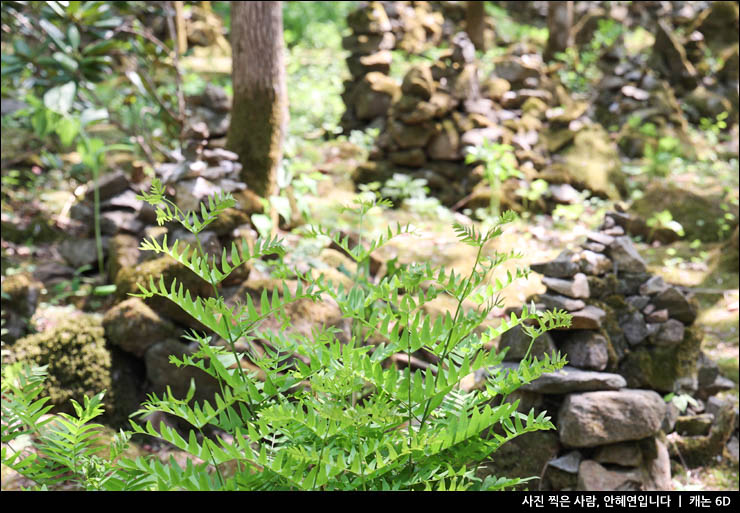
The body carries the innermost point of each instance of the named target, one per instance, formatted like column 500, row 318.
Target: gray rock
column 134, row 327
column 562, row 267
column 629, row 283
column 652, row 286
column 478, row 136
column 569, row 379
column 694, row 425
column 586, row 350
column 626, row 454
column 634, row 327
column 670, row 333
column 595, row 263
column 562, row 473
column 524, row 456
column 518, row 342
column 639, row 302
column 575, row 288
column 671, row 416
column 109, row 185
column 714, row 405
column 652, row 328
column 590, row 318
column 625, row 256
column 657, row 316
column 117, row 221
column 720, row 384
column 707, row 370
column 553, row 301
column 594, row 246
column 208, row 240
column 594, row 477
column 162, row 374
column 81, row 252
column 597, row 418
column 601, row 238
column 677, row 305
column 564, row 193
column 189, row 193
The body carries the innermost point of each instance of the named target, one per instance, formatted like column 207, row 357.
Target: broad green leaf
column 59, row 99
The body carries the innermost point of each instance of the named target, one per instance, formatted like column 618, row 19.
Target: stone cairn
column 369, row 92
column 631, row 341
column 377, row 28
column 438, row 114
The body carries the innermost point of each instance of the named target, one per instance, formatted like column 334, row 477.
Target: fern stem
column 446, row 351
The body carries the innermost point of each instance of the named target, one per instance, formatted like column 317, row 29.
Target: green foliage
column 315, row 24
column 511, row 31
column 664, row 219
column 579, row 70
column 50, row 449
column 680, row 401
column 500, row 165
column 330, row 414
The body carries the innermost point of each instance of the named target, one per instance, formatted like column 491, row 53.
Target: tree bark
column 559, row 26
column 475, row 24
column 260, row 107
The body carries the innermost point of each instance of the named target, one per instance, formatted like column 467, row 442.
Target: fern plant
column 51, row 449
column 298, row 412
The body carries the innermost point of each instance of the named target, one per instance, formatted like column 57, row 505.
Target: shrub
column 307, row 413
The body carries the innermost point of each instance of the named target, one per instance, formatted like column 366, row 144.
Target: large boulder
column 134, row 327
column 79, row 362
column 605, row 417
column 592, row 162
column 669, row 57
column 700, row 213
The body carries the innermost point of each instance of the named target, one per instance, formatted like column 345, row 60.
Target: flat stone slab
column 562, row 267
column 590, row 318
column 576, row 288
column 569, row 379
column 589, row 419
column 556, row 301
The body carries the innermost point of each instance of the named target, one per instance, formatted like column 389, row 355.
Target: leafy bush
column 317, row 413
column 580, row 66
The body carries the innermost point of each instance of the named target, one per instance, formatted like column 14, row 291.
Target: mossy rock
column 79, row 362
column 696, row 451
column 168, row 269
column 592, row 162
column 699, row 213
column 658, row 367
column 525, row 456
column 23, row 291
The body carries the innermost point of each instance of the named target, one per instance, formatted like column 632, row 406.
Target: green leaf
column 263, row 224
column 59, row 99
column 73, row 36
column 67, row 129
column 54, row 34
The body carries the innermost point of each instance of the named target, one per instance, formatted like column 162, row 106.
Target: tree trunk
column 475, row 24
column 559, row 25
column 260, row 109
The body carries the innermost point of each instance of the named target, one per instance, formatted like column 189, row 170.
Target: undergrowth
column 319, row 412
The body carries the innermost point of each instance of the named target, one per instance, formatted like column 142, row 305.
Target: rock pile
column 377, row 28
column 631, row 341
column 438, row 114
column 369, row 92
